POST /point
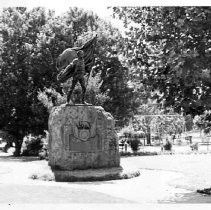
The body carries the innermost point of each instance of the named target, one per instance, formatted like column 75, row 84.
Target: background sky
column 99, row 6
column 61, row 6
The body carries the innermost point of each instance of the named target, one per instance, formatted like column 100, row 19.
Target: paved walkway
column 163, row 179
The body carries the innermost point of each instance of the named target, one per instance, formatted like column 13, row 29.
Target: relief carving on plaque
column 79, row 134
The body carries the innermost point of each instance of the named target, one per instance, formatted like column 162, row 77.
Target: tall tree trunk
column 148, row 136
column 18, row 144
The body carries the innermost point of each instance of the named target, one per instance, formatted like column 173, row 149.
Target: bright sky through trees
column 61, row 6
column 99, row 7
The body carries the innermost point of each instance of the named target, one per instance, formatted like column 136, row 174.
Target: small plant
column 134, row 144
column 43, row 154
column 194, row 147
column 168, row 146
column 206, row 191
column 44, row 176
column 128, row 154
column 35, row 145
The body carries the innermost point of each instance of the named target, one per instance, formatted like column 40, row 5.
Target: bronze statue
column 75, row 62
column 78, row 75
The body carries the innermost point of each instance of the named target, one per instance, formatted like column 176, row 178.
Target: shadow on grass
column 189, row 198
column 12, row 158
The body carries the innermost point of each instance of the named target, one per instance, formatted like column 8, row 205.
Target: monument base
column 104, row 174
column 82, row 137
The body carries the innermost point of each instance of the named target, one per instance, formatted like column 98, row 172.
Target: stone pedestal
column 82, row 137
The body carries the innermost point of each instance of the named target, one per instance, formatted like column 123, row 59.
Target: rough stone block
column 82, row 137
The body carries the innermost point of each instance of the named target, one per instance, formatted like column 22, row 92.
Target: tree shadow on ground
column 11, row 158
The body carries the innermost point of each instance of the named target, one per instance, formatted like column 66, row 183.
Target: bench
column 206, row 143
column 123, row 146
column 188, row 138
column 195, row 146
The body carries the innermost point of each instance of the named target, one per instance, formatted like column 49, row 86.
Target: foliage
column 6, row 137
column 168, row 124
column 169, row 50
column 50, row 97
column 153, row 119
column 35, row 145
column 32, row 145
column 203, row 122
column 197, row 120
column 131, row 136
column 194, row 147
column 134, row 144
column 123, row 101
column 30, row 42
column 206, row 191
column 142, row 121
column 23, row 70
column 167, row 146
column 115, row 94
column 127, row 130
column 125, row 154
column 188, row 122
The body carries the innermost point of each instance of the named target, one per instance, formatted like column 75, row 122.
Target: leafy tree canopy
column 30, row 42
column 169, row 50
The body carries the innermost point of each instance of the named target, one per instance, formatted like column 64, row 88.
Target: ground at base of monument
column 104, row 174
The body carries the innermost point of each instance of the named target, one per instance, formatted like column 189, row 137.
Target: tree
column 30, row 42
column 145, row 116
column 121, row 99
column 122, row 103
column 152, row 118
column 23, row 114
column 203, row 122
column 170, row 49
column 49, row 97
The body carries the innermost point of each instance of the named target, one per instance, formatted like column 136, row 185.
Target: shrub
column 134, row 144
column 43, row 154
column 129, row 131
column 194, row 147
column 35, row 145
column 49, row 97
column 7, row 140
column 31, row 145
column 168, row 146
column 142, row 153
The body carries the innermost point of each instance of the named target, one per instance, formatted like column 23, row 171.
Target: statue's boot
column 85, row 103
column 69, row 101
column 83, row 98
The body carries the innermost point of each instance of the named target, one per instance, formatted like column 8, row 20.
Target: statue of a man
column 75, row 62
column 78, row 75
